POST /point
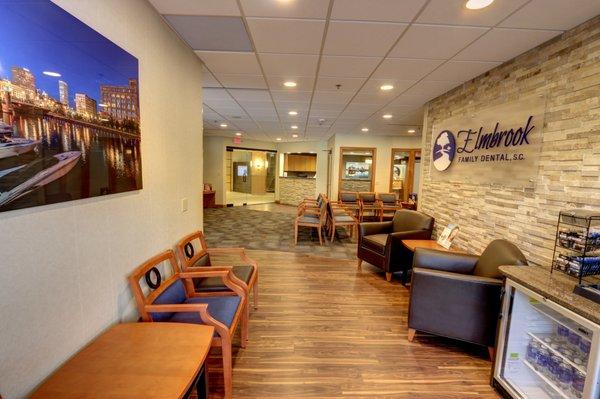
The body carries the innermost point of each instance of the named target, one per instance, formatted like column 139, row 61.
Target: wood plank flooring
column 324, row 330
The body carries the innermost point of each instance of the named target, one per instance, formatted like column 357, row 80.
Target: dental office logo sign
column 499, row 145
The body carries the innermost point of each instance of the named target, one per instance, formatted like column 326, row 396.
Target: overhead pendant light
column 386, row 87
column 478, row 4
column 365, row 129
column 289, row 83
column 387, row 116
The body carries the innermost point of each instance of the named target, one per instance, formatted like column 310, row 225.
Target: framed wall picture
column 70, row 115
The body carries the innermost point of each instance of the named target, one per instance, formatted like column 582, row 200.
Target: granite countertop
column 556, row 287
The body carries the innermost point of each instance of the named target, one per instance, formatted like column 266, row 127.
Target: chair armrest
column 200, row 308
column 455, row 305
column 239, row 251
column 226, row 275
column 410, row 235
column 444, row 261
column 370, row 228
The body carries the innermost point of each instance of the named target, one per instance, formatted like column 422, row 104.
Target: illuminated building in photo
column 121, row 102
column 85, row 106
column 23, row 83
column 63, row 90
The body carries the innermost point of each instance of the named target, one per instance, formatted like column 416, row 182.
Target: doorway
column 405, row 173
column 357, row 169
column 250, row 176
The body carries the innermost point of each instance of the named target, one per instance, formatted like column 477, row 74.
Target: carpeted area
column 270, row 229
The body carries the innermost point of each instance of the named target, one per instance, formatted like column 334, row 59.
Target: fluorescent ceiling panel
column 211, row 33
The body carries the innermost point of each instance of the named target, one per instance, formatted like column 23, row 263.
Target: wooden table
column 137, row 360
column 429, row 244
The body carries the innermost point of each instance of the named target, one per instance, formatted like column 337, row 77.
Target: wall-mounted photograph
column 70, row 117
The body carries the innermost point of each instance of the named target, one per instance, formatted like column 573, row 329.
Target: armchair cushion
column 222, row 308
column 375, row 242
column 174, row 294
column 211, row 284
column 444, row 261
column 455, row 305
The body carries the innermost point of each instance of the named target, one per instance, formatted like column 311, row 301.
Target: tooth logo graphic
column 444, row 149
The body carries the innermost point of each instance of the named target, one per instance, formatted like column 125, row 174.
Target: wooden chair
column 349, row 200
column 388, row 205
column 168, row 299
column 308, row 218
column 368, row 204
column 312, row 206
column 193, row 253
column 342, row 219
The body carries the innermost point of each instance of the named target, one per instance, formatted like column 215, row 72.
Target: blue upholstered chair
column 164, row 297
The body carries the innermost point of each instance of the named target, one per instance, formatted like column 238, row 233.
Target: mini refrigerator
column 545, row 350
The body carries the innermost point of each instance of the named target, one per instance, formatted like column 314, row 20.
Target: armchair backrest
column 405, row 220
column 496, row 254
column 387, row 198
column 367, row 198
column 157, row 281
column 348, row 197
column 192, row 250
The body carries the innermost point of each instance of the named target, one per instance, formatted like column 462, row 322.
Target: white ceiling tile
column 435, row 41
column 197, row 7
column 329, row 106
column 299, row 106
column 502, row 44
column 553, row 14
column 208, row 80
column 431, row 89
column 380, row 10
column 348, row 67
column 250, row 95
column 405, row 68
column 286, row 9
column 361, row 38
column 210, row 93
column 373, row 97
column 321, row 113
column 461, row 71
column 355, row 108
column 454, row 12
column 415, row 100
column 325, row 83
column 230, row 62
column 257, row 105
column 332, row 97
column 291, row 96
column 373, row 85
column 242, row 81
column 304, row 83
column 289, row 64
column 211, row 33
column 294, row 36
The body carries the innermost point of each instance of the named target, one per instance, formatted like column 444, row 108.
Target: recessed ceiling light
column 278, row 139
column 386, row 87
column 53, row 74
column 290, row 84
column 293, row 113
column 411, row 130
column 478, row 4
column 238, row 134
column 365, row 129
column 294, row 127
column 294, row 135
column 387, row 116
column 223, row 125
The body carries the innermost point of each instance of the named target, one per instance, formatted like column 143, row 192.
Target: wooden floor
column 324, row 330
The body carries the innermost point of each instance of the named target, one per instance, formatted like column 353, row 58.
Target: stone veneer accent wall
column 566, row 70
column 360, row 186
column 293, row 190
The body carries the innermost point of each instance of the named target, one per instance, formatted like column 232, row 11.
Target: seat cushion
column 375, row 243
column 222, row 308
column 174, row 294
column 344, row 218
column 210, row 284
column 309, row 219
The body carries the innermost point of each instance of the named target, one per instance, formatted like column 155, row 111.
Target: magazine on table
column 445, row 239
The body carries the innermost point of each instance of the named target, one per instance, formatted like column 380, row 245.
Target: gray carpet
column 269, row 230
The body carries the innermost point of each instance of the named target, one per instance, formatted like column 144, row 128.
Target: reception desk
column 292, row 190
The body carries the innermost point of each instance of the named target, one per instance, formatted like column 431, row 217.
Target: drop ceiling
column 339, row 52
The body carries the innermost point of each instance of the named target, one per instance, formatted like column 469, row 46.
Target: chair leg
column 360, row 264
column 491, row 351
column 227, row 366
column 244, row 326
column 320, row 235
column 296, row 234
column 332, row 232
column 411, row 334
column 255, row 293
column 388, row 276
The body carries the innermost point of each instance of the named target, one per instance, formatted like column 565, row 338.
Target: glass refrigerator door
column 547, row 350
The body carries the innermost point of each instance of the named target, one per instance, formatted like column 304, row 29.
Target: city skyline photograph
column 69, row 103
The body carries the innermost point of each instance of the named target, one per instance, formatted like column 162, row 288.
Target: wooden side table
column 429, row 244
column 137, row 360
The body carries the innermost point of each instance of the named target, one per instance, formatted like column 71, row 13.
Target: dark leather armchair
column 380, row 243
column 458, row 295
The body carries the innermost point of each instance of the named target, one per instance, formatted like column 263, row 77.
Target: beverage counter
column 292, row 190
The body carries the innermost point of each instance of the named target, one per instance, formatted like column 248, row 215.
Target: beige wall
column 383, row 161
column 565, row 70
column 64, row 266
